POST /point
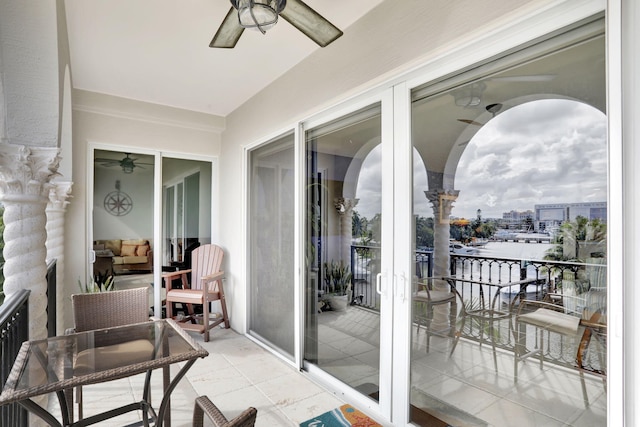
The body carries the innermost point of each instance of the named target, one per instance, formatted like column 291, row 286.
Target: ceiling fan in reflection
column 127, row 163
column 470, row 96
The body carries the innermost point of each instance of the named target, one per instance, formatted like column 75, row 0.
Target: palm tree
column 567, row 243
column 358, row 224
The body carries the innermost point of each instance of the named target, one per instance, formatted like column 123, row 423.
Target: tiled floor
column 465, row 386
column 239, row 373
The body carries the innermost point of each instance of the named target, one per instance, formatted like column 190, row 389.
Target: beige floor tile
column 238, row 373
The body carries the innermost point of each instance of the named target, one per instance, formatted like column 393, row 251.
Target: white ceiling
column 158, row 50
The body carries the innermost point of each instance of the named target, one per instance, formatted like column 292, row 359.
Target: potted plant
column 101, row 282
column 337, row 277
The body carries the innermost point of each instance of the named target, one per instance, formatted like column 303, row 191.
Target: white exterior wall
column 394, row 37
column 29, row 70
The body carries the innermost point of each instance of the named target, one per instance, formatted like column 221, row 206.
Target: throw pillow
column 142, row 250
column 114, row 245
column 128, row 250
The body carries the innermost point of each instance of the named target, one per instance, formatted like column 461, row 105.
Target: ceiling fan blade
column 229, row 32
column 530, row 78
column 310, row 22
column 470, row 122
column 107, row 162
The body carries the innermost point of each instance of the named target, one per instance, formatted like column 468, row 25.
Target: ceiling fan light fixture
column 259, row 14
column 469, row 96
column 127, row 164
column 494, row 108
column 468, row 101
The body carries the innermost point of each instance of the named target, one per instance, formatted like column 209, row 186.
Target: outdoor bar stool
column 548, row 317
column 483, row 315
column 426, row 299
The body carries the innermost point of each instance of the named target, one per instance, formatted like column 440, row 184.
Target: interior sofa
column 124, row 256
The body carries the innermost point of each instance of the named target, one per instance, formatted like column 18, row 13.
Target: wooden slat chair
column 205, row 287
column 204, row 406
column 105, row 310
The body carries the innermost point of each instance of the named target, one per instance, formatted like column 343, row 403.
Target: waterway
column 517, row 250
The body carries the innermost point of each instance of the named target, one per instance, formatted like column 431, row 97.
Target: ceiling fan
column 127, row 163
column 263, row 14
column 491, row 108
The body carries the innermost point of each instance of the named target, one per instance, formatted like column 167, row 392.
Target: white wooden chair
column 205, row 287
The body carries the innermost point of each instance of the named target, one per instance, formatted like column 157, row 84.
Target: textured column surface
column 59, row 194
column 344, row 207
column 442, row 202
column 25, row 173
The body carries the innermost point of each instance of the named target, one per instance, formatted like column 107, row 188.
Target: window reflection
column 516, row 190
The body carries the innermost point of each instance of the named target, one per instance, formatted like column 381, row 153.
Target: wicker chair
column 205, row 287
column 204, row 405
column 104, row 310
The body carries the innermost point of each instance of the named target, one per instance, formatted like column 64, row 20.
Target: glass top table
column 57, row 364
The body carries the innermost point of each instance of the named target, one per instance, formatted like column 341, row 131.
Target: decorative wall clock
column 118, row 202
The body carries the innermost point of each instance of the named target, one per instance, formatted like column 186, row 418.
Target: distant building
column 550, row 216
column 515, row 220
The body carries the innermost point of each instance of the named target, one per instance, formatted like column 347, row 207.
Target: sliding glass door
column 437, row 217
column 348, row 262
column 271, row 247
column 510, row 187
column 123, row 204
column 187, row 192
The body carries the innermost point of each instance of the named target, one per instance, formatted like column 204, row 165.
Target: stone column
column 56, row 208
column 25, row 174
column 442, row 202
column 344, row 207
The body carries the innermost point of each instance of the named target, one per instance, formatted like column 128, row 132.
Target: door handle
column 402, row 288
column 379, row 283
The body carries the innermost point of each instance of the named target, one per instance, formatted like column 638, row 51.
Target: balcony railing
column 51, row 297
column 14, row 330
column 577, row 286
column 572, row 280
column 365, row 266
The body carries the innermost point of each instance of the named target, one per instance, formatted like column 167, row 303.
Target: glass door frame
column 385, row 99
column 468, row 53
column 157, row 212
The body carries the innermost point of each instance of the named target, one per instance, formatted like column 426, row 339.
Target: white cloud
column 541, row 152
